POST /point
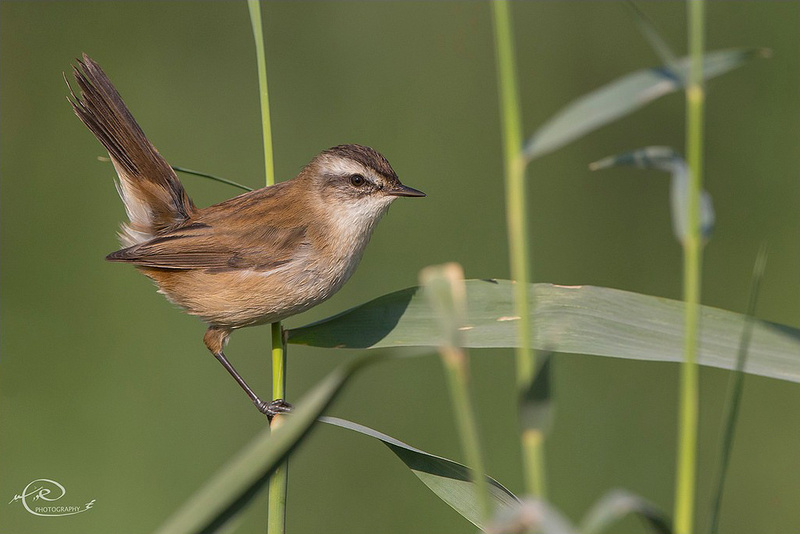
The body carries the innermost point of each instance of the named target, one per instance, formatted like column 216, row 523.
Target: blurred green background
column 107, row 389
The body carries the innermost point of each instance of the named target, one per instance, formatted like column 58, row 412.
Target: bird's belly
column 238, row 298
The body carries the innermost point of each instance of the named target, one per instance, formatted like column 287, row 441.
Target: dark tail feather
column 153, row 196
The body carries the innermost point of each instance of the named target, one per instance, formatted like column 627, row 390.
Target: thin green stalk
column 278, row 483
column 196, row 173
column 261, row 59
column 211, row 177
column 517, row 221
column 735, row 389
column 446, row 292
column 692, row 265
column 456, row 367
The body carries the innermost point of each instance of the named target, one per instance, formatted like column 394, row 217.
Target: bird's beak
column 401, row 190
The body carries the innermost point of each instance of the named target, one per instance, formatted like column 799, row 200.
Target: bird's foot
column 273, row 408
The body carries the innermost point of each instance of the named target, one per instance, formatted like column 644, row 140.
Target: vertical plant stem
column 735, row 389
column 261, row 59
column 456, row 367
column 278, row 483
column 692, row 264
column 446, row 292
column 517, row 221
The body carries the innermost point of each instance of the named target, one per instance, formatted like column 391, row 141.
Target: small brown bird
column 256, row 258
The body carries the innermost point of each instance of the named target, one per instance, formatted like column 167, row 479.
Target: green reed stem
column 261, row 59
column 517, row 221
column 278, row 482
column 456, row 365
column 692, row 265
column 446, row 291
column 735, row 389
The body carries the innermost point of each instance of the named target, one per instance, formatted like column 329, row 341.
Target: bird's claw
column 273, row 408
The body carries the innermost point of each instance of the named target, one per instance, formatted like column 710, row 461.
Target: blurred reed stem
column 446, row 291
column 692, row 264
column 735, row 390
column 278, row 482
column 456, row 363
column 517, row 221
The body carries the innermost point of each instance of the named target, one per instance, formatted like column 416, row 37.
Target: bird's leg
column 215, row 339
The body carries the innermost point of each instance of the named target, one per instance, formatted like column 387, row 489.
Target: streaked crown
column 356, row 172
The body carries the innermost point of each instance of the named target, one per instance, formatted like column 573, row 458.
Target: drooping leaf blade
column 240, row 480
column 666, row 159
column 616, row 504
column 625, row 95
column 449, row 480
column 573, row 319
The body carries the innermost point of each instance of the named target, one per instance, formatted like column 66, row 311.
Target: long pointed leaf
column 449, row 480
column 650, row 33
column 577, row 319
column 240, row 480
column 623, row 96
column 735, row 390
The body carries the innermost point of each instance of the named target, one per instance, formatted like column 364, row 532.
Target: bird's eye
column 357, row 180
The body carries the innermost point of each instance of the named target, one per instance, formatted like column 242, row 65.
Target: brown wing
column 203, row 246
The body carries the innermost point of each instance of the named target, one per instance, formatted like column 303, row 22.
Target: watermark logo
column 39, row 494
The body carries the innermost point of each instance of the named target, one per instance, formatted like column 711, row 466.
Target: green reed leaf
column 651, row 34
column 450, row 481
column 624, row 96
column 241, row 479
column 574, row 319
column 736, row 390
